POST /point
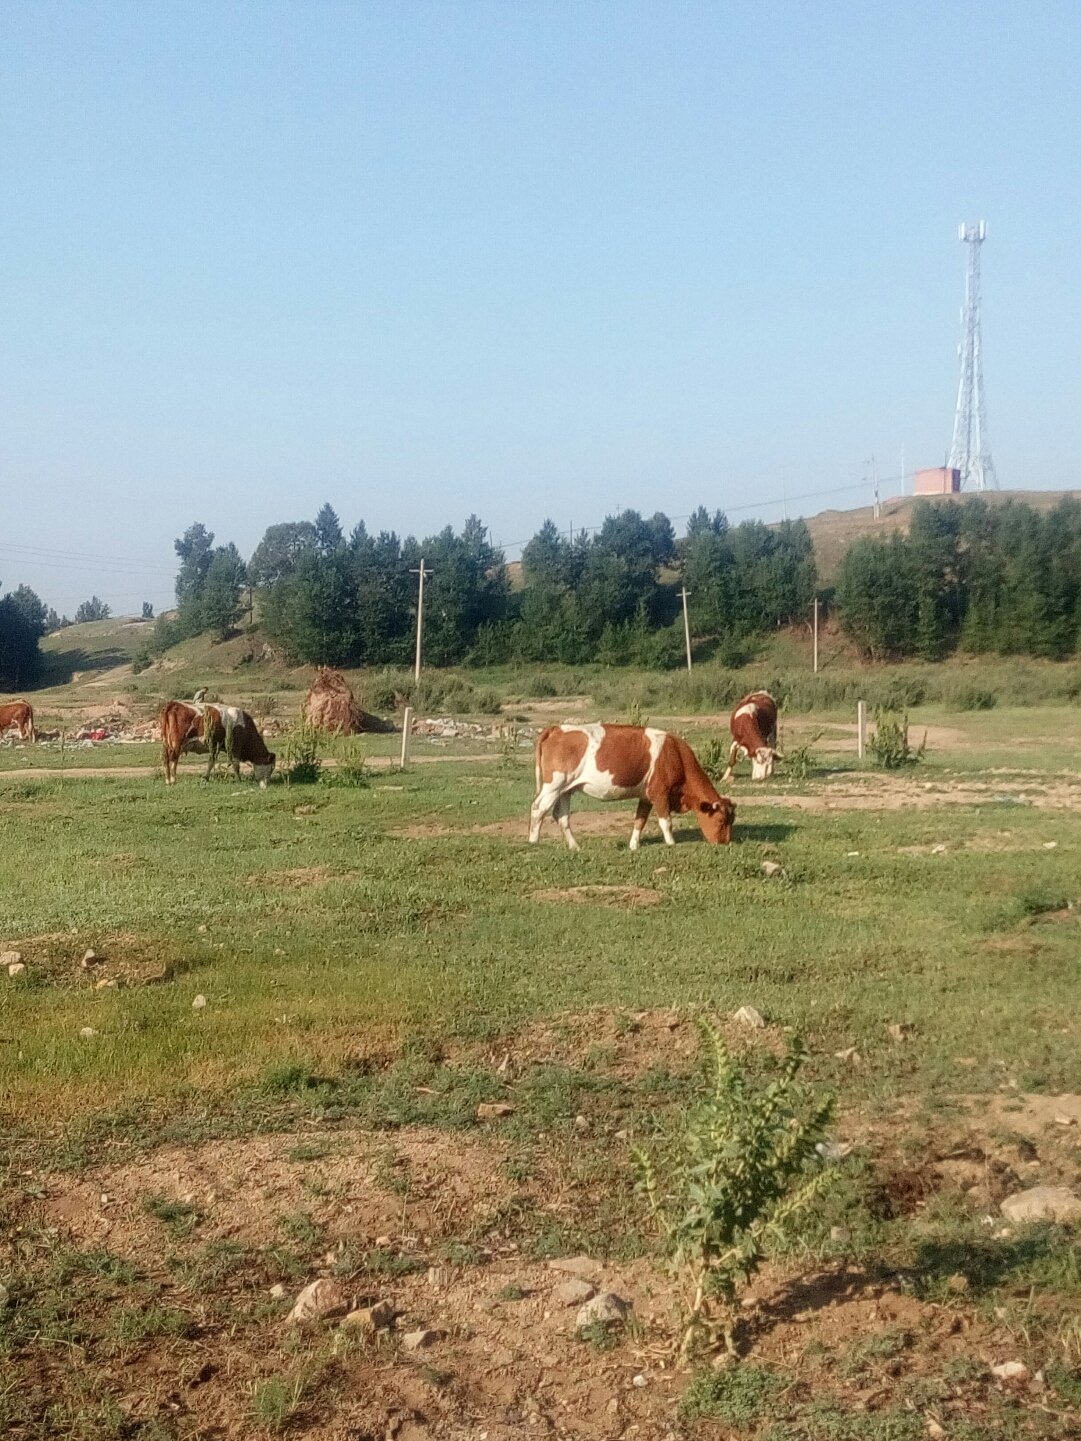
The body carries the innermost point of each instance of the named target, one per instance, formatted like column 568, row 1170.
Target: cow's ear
column 708, row 807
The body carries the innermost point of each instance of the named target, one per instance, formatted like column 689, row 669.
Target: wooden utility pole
column 816, row 637
column 407, row 727
column 686, row 626
column 421, row 572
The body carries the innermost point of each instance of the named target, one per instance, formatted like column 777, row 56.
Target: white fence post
column 407, row 726
column 861, row 728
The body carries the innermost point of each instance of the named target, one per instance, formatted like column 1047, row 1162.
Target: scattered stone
column 939, row 850
column 957, row 1283
column 1065, row 1120
column 834, row 1150
column 772, row 868
column 198, row 1003
column 201, row 930
column 899, row 1030
column 1011, row 1371
column 622, row 1135
column 278, row 1291
column 581, row 1123
column 1050, row 845
column 107, row 983
column 418, row 1340
column 16, row 968
column 605, row 1309
column 90, row 960
column 1042, row 1203
column 383, row 1243
column 574, row 1292
column 583, row 1266
column 934, row 1430
column 10, row 958
column 493, row 1110
column 639, row 1381
column 748, row 1016
column 318, row 1300
column 371, row 1318
column 87, row 1031
column 851, row 855
column 849, row 1054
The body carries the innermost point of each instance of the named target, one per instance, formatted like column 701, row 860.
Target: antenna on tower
column 970, row 453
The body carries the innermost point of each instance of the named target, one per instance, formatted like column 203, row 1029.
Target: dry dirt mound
column 622, row 896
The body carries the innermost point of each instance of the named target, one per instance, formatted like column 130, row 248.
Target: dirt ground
column 428, row 1221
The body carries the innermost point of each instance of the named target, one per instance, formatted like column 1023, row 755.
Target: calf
column 20, row 714
column 616, row 763
column 208, row 729
column 754, row 734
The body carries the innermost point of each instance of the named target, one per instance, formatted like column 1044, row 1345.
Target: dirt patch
column 122, row 958
column 295, row 878
column 632, row 896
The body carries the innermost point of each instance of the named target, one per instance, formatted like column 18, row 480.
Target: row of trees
column 976, row 577
column 610, row 596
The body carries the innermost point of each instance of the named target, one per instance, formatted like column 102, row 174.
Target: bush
column 303, row 764
column 714, row 758
column 141, row 661
column 738, row 1397
column 889, row 742
column 352, row 767
column 971, row 697
column 488, row 702
column 748, row 1169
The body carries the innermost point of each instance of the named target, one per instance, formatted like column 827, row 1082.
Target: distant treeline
column 612, row 596
column 974, row 577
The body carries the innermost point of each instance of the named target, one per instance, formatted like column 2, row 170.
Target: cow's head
column 715, row 820
column 762, row 762
column 263, row 773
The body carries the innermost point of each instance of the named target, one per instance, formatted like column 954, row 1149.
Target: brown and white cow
column 209, row 729
column 754, row 733
column 20, row 714
column 616, row 763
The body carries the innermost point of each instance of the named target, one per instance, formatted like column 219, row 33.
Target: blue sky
column 521, row 259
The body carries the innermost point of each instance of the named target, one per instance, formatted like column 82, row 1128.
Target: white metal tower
column 970, row 452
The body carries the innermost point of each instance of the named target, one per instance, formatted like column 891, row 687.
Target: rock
column 834, row 1150
column 16, row 968
column 957, row 1283
column 371, row 1318
column 899, row 1030
column 574, row 1292
column 107, row 983
column 639, row 1381
column 849, row 1054
column 1011, row 1371
column 90, row 960
column 772, row 868
column 198, row 1003
column 418, row 1340
column 318, row 1300
column 939, row 850
column 87, row 1031
column 605, row 1309
column 278, row 1291
column 1065, row 1120
column 493, row 1110
column 1042, row 1203
column 934, row 1430
column 583, row 1266
column 384, row 1243
column 10, row 958
column 748, row 1016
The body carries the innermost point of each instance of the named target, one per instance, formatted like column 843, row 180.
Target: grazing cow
column 614, row 763
column 754, row 734
column 20, row 714
column 208, row 729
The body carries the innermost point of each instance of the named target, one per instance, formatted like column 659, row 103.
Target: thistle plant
column 748, row 1171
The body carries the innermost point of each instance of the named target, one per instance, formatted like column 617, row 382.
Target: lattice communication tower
column 970, row 452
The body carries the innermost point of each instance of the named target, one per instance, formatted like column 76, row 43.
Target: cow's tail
column 31, row 727
column 537, row 769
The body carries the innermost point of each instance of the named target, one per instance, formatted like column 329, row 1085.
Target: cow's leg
column 641, row 815
column 735, row 751
column 212, row 762
column 562, row 813
column 544, row 803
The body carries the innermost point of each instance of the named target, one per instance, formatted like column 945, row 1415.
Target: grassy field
column 378, row 956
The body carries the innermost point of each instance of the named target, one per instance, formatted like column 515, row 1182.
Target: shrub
column 714, row 757
column 303, row 764
column 352, row 767
column 972, row 697
column 748, row 1169
column 141, row 661
column 889, row 742
column 738, row 1398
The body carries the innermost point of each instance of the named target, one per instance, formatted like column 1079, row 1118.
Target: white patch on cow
column 748, row 709
column 262, row 774
column 233, row 714
column 666, row 830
